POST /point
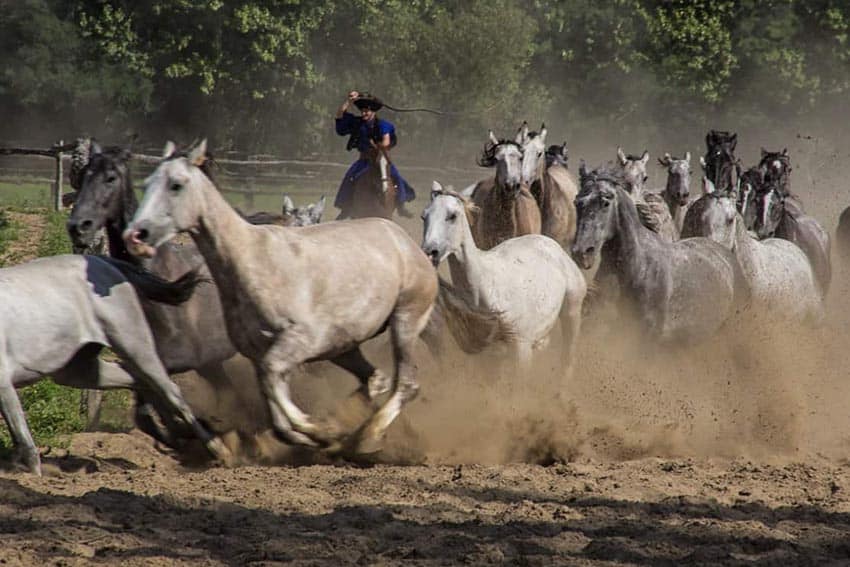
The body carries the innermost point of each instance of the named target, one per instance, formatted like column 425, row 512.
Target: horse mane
column 207, row 167
column 469, row 207
column 488, row 156
column 607, row 172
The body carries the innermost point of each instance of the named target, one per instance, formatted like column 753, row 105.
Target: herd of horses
column 283, row 290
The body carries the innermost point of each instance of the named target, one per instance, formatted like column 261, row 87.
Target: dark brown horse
column 374, row 193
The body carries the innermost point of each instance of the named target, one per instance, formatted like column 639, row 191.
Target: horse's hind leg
column 404, row 328
column 373, row 382
column 13, row 413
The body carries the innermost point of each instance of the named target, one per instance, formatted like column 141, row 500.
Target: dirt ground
column 115, row 500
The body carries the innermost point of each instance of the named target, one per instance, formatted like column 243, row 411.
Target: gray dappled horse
column 56, row 315
column 505, row 207
column 783, row 217
column 679, row 291
column 546, row 175
column 352, row 281
column 780, row 278
column 528, row 301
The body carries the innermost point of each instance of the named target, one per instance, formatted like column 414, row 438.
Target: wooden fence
column 248, row 178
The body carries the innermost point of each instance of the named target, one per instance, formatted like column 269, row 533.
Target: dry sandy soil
column 730, row 453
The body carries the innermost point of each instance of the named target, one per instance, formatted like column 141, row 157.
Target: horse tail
column 150, row 286
column 472, row 327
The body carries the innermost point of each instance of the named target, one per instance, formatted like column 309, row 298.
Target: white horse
column 528, row 281
column 295, row 295
column 777, row 271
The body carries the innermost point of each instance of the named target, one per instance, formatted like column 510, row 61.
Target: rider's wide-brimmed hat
column 368, row 101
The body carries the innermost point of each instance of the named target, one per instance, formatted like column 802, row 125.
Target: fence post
column 57, row 184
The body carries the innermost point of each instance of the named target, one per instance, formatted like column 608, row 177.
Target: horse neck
column 115, row 226
column 224, row 238
column 465, row 264
column 627, row 248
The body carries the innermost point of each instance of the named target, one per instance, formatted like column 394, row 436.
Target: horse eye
column 111, row 179
column 451, row 217
column 175, row 187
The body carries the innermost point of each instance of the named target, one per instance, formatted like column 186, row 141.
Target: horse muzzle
column 583, row 257
column 135, row 240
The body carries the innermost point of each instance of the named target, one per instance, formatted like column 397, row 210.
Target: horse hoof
column 369, row 444
column 220, row 451
column 379, row 384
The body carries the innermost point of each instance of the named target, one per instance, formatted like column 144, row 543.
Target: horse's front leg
column 13, row 413
column 291, row 424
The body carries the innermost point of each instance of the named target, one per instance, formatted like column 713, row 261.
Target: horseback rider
column 366, row 132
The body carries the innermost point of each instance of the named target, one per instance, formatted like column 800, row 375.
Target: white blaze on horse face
column 509, row 166
column 383, row 166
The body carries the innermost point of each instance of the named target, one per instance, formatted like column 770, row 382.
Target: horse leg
column 134, row 344
column 373, row 382
column 290, row 423
column 13, row 413
column 404, row 328
column 570, row 328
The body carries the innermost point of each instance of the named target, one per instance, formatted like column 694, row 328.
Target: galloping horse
column 679, row 291
column 506, row 208
column 779, row 275
column 551, row 184
column 652, row 210
column 295, row 295
column 58, row 313
column 676, row 193
column 720, row 164
column 530, row 300
column 374, row 190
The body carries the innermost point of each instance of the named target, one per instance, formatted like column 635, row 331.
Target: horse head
column 720, row 160
column 533, row 155
column 678, row 178
column 596, row 206
column 770, row 206
column 443, row 223
column 506, row 156
column 173, row 200
column 712, row 216
column 634, row 171
column 105, row 195
column 776, row 166
column 304, row 215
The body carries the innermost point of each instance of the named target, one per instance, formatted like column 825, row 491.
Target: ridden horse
column 720, row 164
column 778, row 273
column 652, row 209
column 374, row 190
column 505, row 207
column 295, row 295
column 530, row 300
column 551, row 184
column 781, row 216
column 679, row 291
column 56, row 315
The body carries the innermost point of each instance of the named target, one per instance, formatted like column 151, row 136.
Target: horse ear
column 317, row 210
column 522, row 133
column 198, row 155
column 785, row 151
column 688, row 157
column 707, row 186
column 734, row 140
column 702, row 163
column 436, row 188
column 582, row 169
column 764, row 152
column 95, row 149
column 493, row 139
column 543, row 133
column 644, row 157
column 169, row 149
column 288, row 205
column 621, row 157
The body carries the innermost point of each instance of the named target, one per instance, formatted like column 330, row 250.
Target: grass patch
column 25, row 194
column 8, row 231
column 55, row 238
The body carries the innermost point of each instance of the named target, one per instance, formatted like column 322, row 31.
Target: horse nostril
column 86, row 225
column 142, row 235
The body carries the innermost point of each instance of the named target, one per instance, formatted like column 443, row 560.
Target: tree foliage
column 267, row 75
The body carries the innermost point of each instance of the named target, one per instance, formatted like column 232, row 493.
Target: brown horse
column 506, row 208
column 374, row 193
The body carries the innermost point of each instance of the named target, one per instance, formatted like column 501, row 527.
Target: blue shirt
column 362, row 132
